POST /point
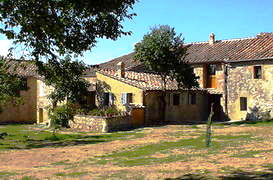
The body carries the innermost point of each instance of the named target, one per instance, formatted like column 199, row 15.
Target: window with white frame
column 108, row 99
column 126, row 98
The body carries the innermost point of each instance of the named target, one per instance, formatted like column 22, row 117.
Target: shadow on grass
column 69, row 140
column 60, row 140
column 33, row 136
column 267, row 122
column 235, row 175
column 44, row 143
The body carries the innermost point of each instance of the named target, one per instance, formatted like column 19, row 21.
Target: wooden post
column 208, row 132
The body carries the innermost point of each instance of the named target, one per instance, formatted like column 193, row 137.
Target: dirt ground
column 63, row 162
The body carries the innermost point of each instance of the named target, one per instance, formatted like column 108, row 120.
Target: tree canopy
column 66, row 77
column 162, row 51
column 54, row 28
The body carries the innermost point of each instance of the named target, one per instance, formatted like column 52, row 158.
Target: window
column 176, row 99
column 126, row 98
column 192, row 98
column 105, row 99
column 257, row 72
column 24, row 84
column 212, row 69
column 243, row 103
column 87, row 99
column 108, row 99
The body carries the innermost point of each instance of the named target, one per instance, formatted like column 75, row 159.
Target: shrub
column 110, row 111
column 61, row 115
column 96, row 112
column 257, row 114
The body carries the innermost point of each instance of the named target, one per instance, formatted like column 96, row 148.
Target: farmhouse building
column 235, row 75
column 239, row 70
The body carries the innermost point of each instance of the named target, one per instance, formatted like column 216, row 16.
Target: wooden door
column 41, row 115
column 138, row 116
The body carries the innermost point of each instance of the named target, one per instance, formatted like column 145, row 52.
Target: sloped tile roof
column 234, row 50
column 29, row 69
column 22, row 68
column 145, row 81
column 246, row 49
column 148, row 81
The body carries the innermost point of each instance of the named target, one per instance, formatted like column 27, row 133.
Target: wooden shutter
column 124, row 98
column 111, row 99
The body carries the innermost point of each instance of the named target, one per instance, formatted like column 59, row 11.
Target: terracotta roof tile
column 145, row 81
column 233, row 50
column 148, row 81
column 22, row 68
column 255, row 48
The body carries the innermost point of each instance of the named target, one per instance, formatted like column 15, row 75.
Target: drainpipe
column 226, row 66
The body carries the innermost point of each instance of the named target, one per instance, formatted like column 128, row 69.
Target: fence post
column 208, row 132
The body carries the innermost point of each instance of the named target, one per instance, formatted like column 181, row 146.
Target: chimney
column 211, row 38
column 121, row 69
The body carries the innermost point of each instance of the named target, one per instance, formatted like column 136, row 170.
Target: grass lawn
column 33, row 136
column 238, row 151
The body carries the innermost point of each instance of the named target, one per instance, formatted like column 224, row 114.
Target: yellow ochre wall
column 118, row 87
column 184, row 112
column 26, row 112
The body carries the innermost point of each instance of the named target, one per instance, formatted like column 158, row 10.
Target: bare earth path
column 253, row 153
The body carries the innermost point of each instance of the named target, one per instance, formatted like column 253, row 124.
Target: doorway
column 41, row 115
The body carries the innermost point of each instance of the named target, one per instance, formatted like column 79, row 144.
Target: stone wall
column 198, row 70
column 241, row 83
column 101, row 124
column 43, row 103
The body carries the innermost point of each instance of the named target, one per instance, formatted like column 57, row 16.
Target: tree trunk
column 163, row 100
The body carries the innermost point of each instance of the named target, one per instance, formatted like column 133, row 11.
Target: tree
column 162, row 52
column 66, row 78
column 55, row 28
column 10, row 86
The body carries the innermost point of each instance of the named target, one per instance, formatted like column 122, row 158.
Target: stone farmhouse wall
column 101, row 124
column 43, row 103
column 259, row 92
column 241, row 83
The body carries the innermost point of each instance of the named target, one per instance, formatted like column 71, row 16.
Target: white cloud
column 4, row 47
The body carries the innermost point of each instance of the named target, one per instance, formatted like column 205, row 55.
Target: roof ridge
column 221, row 40
column 197, row 42
column 238, row 39
column 233, row 39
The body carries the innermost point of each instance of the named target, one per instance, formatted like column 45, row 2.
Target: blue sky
column 195, row 19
